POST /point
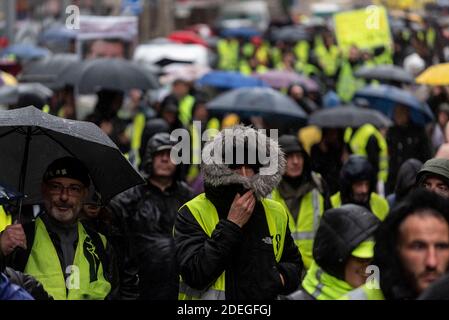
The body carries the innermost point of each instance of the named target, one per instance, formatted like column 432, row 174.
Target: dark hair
column 394, row 282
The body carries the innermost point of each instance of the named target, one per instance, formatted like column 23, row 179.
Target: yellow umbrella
column 7, row 79
column 436, row 75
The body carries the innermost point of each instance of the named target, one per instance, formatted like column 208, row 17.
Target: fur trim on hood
column 216, row 169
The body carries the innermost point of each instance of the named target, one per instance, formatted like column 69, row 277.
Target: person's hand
column 12, row 237
column 242, row 208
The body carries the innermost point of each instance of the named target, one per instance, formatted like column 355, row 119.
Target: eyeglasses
column 73, row 190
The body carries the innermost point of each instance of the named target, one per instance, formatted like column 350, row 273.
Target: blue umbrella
column 385, row 97
column 7, row 195
column 25, row 51
column 229, row 80
column 60, row 33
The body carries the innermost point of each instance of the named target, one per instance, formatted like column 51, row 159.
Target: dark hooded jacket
column 394, row 281
column 341, row 230
column 247, row 260
column 406, row 180
column 405, row 143
column 357, row 168
column 149, row 214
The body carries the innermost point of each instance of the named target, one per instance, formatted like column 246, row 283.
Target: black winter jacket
column 149, row 215
column 251, row 269
column 405, row 143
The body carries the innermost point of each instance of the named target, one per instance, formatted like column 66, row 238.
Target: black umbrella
column 385, row 73
column 112, row 74
column 25, row 94
column 32, row 139
column 47, row 70
column 348, row 116
column 263, row 101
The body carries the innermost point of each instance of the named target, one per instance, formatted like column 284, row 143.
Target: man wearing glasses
column 72, row 261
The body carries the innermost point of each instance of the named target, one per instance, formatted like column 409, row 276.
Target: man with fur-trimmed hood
column 231, row 242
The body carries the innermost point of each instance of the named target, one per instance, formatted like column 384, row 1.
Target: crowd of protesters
column 342, row 200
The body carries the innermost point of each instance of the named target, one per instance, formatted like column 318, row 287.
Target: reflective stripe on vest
column 320, row 285
column 5, row 219
column 86, row 280
column 206, row 215
column 304, row 228
column 378, row 205
column 185, row 109
column 358, row 144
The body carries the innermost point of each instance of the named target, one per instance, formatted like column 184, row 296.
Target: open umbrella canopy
column 348, row 116
column 265, row 102
column 385, row 73
column 47, row 70
column 25, row 94
column 283, row 79
column 385, row 98
column 436, row 75
column 25, row 51
column 229, row 80
column 33, row 139
column 112, row 74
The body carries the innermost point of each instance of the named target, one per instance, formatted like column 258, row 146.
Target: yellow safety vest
column 323, row 286
column 276, row 57
column 304, row 228
column 206, row 215
column 246, row 69
column 46, row 108
column 87, row 281
column 136, row 138
column 5, row 219
column 301, row 51
column 379, row 206
column 185, row 109
column 228, row 54
column 328, row 58
column 347, row 83
column 358, row 143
